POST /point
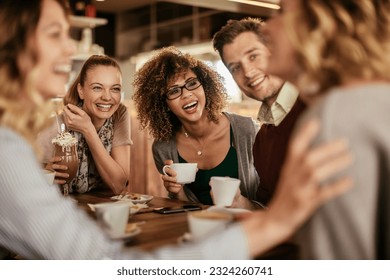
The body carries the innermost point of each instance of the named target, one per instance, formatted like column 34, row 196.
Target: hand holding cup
column 185, row 172
column 60, row 170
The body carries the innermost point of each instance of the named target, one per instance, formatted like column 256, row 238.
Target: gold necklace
column 199, row 152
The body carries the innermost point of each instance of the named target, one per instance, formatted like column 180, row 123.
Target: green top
column 244, row 133
column 228, row 167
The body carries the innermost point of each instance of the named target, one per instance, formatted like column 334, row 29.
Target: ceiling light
column 258, row 3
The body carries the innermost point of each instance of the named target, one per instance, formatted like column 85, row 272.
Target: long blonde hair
column 341, row 40
column 22, row 108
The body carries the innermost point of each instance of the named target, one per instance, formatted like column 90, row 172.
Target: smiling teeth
column 104, row 106
column 258, row 81
column 63, row 69
column 190, row 105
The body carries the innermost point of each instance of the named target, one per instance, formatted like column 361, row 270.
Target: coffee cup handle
column 106, row 219
column 165, row 167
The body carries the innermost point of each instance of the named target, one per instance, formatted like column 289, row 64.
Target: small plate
column 134, row 208
column 126, row 235
column 143, row 198
column 228, row 210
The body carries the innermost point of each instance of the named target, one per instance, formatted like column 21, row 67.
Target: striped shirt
column 37, row 222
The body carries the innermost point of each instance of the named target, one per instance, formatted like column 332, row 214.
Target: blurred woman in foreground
column 338, row 54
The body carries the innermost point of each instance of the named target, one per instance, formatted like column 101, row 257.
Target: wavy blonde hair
column 151, row 84
column 341, row 40
column 22, row 108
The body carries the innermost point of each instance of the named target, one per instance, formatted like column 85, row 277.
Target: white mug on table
column 203, row 223
column 49, row 176
column 113, row 216
column 224, row 189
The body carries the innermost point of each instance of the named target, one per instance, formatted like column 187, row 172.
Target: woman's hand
column 304, row 184
column 169, row 180
column 301, row 188
column 77, row 119
column 241, row 201
column 55, row 164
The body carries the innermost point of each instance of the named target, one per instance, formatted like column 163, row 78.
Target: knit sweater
column 269, row 151
column 244, row 131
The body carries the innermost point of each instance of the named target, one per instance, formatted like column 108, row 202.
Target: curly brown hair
column 151, row 83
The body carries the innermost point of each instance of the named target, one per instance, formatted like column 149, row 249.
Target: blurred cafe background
column 129, row 31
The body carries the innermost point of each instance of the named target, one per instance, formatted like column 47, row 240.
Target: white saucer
column 228, row 210
column 126, row 235
column 134, row 208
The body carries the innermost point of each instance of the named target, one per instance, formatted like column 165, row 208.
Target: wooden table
column 167, row 229
column 158, row 229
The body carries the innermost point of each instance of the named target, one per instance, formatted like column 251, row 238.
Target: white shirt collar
column 280, row 108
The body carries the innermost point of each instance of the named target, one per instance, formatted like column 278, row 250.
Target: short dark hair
column 233, row 28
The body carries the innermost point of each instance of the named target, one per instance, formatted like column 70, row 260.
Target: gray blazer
column 244, row 130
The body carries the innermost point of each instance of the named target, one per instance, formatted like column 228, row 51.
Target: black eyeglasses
column 176, row 92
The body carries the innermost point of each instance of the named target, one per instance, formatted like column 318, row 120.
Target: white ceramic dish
column 134, row 208
column 228, row 210
column 127, row 235
column 144, row 198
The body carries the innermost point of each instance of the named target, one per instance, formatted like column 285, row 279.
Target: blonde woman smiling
column 94, row 114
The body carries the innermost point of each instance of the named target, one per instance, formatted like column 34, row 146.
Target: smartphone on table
column 171, row 210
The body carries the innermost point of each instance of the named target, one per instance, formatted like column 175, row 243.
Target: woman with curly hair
column 181, row 100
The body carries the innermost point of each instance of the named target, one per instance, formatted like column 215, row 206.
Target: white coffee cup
column 113, row 217
column 203, row 223
column 224, row 189
column 186, row 172
column 49, row 176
